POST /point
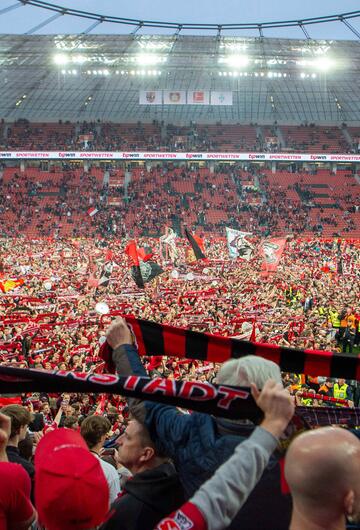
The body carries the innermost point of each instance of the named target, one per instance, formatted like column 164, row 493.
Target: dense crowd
column 52, row 321
column 58, row 203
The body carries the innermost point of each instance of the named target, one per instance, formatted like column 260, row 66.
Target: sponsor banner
column 198, row 97
column 221, row 98
column 174, row 97
column 114, row 155
column 150, row 97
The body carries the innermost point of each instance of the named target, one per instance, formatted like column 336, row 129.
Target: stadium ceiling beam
column 350, row 26
column 93, row 26
column 45, row 23
column 10, row 8
column 304, row 30
column 138, row 27
column 193, row 25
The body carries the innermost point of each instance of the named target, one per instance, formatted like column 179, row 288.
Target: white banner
column 238, row 245
column 150, row 97
column 221, row 98
column 157, row 155
column 174, row 97
column 198, row 97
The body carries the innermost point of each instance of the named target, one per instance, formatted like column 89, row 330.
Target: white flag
column 198, row 97
column 150, row 97
column 174, row 97
column 238, row 245
column 221, row 98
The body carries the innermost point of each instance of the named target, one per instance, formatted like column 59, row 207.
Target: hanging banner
column 150, row 97
column 198, row 97
column 221, row 98
column 174, row 97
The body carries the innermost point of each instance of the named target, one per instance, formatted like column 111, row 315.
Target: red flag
column 132, row 252
column 9, row 285
column 271, row 250
column 109, row 254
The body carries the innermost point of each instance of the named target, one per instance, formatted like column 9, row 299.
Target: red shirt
column 15, row 505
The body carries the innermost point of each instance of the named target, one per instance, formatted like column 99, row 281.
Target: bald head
column 323, row 471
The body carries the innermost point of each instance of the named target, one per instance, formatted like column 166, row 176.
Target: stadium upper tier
column 23, row 135
column 102, row 77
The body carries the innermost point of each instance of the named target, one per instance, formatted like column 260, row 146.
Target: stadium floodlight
column 236, row 61
column 323, row 63
column 61, row 58
column 302, row 75
column 148, row 59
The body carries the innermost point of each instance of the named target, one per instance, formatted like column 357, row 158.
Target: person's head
column 137, row 451
column 71, row 422
column 45, row 408
column 248, row 369
column 94, row 430
column 322, row 469
column 329, row 382
column 71, row 490
column 20, row 419
column 341, row 382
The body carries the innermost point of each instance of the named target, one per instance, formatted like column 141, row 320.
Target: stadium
column 179, row 269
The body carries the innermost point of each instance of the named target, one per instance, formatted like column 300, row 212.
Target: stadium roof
column 99, row 77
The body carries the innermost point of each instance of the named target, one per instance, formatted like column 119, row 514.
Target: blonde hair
column 248, row 369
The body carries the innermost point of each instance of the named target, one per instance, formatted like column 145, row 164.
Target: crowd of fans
column 56, row 202
column 90, row 460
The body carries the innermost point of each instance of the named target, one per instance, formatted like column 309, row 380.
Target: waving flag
column 92, row 211
column 9, row 285
column 197, row 244
column 168, row 246
column 238, row 245
column 272, row 250
column 143, row 270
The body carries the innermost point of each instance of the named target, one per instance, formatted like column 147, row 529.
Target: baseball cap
column 70, row 487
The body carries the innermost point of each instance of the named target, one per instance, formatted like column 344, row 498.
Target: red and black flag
column 197, row 244
column 143, row 270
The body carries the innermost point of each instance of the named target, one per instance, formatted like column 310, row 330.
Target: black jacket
column 148, row 497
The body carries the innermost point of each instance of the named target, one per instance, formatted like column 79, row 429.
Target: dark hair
column 70, row 421
column 93, row 428
column 20, row 416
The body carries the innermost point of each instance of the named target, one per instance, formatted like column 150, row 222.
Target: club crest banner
column 238, row 245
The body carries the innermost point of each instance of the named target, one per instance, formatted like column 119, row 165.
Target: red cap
column 70, row 487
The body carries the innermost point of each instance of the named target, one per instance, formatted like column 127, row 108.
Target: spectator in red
column 16, row 510
column 71, row 491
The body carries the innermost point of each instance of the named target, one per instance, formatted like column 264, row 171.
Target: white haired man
column 199, row 443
